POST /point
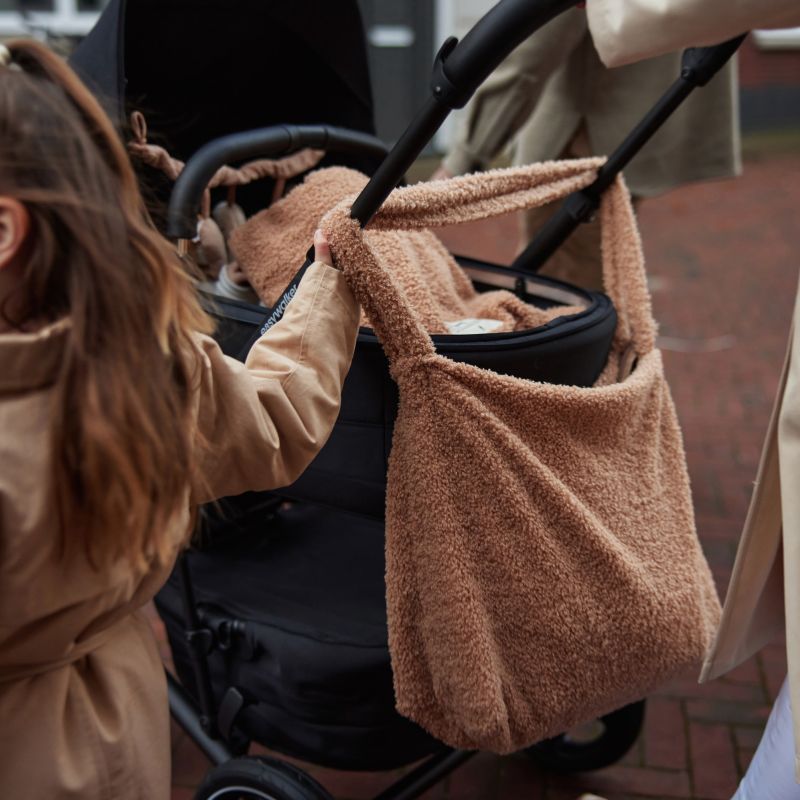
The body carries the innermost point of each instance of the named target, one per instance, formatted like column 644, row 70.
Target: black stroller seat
column 302, row 630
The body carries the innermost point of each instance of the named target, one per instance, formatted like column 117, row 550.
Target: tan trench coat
column 763, row 597
column 83, row 705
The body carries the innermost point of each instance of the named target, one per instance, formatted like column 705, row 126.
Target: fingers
column 322, row 250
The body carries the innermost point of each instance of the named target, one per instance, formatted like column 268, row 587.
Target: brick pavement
column 723, row 264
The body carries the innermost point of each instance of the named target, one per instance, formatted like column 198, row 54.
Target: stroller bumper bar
column 274, row 141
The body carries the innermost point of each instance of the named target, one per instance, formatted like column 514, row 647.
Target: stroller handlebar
column 465, row 65
column 459, row 68
column 278, row 140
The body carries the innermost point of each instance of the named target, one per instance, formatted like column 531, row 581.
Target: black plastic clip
column 229, row 709
column 700, row 64
column 443, row 89
column 581, row 206
column 200, row 640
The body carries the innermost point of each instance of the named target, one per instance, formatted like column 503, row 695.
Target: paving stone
column 773, row 663
column 747, row 673
column 665, row 734
column 189, row 765
column 480, row 778
column 647, row 782
column 727, row 712
column 714, row 765
column 520, row 777
column 747, row 738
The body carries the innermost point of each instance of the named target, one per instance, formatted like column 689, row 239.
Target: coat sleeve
column 505, row 100
column 625, row 31
column 262, row 422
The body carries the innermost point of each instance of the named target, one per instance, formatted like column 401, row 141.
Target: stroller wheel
column 597, row 744
column 259, row 778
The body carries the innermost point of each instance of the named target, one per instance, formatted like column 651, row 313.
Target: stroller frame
column 459, row 68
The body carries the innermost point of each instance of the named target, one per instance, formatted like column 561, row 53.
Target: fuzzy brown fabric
column 542, row 565
column 272, row 245
column 279, row 169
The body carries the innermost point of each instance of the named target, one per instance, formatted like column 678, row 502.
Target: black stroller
column 277, row 623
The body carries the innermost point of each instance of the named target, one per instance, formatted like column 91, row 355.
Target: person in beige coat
column 554, row 94
column 763, row 597
column 116, row 419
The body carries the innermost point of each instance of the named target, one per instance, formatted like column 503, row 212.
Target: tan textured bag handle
column 480, row 196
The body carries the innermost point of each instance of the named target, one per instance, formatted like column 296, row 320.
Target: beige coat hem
column 763, row 595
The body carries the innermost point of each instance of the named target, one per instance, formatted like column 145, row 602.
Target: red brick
column 744, row 755
column 726, row 712
column 747, row 738
column 632, row 780
column 773, row 662
column 519, row 778
column 176, row 734
column 479, row 778
column 714, row 767
column 720, row 689
column 189, row 765
column 747, row 673
column 352, row 785
column 665, row 734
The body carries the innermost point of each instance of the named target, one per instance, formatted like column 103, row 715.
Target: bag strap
column 480, row 196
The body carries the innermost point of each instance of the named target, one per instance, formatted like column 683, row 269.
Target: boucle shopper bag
column 542, row 565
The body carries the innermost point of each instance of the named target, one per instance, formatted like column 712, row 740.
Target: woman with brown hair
column 117, row 417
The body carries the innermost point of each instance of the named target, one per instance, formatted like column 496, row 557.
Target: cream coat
column 625, row 31
column 764, row 594
column 83, row 706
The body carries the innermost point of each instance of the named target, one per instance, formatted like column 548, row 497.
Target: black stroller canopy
column 200, row 69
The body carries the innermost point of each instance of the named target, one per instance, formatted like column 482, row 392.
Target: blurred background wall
column 404, row 35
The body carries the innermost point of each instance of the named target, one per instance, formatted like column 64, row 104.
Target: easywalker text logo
column 278, row 310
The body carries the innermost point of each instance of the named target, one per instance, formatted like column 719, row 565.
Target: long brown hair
column 122, row 430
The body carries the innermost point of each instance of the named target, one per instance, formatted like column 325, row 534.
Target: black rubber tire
column 259, row 778
column 620, row 730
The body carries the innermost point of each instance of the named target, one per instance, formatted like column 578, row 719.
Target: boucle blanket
column 272, row 245
column 542, row 565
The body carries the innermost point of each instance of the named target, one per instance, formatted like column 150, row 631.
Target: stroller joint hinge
column 581, row 206
column 700, row 64
column 444, row 90
column 200, row 640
